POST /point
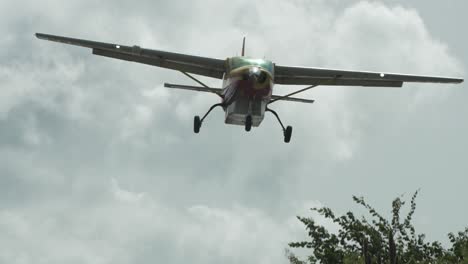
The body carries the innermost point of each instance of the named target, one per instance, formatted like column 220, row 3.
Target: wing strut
column 199, row 82
column 284, row 97
column 291, row 94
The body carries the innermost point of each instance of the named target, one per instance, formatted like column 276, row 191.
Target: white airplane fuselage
column 247, row 89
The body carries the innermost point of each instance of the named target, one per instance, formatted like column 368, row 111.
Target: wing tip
column 455, row 80
column 40, row 36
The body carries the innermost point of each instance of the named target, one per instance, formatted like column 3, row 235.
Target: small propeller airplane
column 247, row 86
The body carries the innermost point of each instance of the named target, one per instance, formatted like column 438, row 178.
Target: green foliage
column 376, row 240
column 353, row 258
column 458, row 253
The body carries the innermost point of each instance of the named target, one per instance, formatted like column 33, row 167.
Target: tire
column 287, row 134
column 196, row 124
column 248, row 123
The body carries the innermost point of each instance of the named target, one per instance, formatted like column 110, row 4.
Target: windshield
column 237, row 62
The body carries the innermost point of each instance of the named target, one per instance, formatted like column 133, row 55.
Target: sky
column 99, row 162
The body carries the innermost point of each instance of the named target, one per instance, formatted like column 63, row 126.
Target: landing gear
column 197, row 122
column 248, row 123
column 287, row 132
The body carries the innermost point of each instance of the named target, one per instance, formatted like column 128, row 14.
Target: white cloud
column 124, row 195
column 118, row 229
column 71, row 121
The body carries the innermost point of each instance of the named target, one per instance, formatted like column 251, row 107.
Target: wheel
column 248, row 123
column 287, row 134
column 196, row 124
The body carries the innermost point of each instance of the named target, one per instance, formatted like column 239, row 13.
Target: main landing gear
column 197, row 122
column 287, row 131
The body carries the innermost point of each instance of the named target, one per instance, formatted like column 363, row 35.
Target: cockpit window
column 237, row 62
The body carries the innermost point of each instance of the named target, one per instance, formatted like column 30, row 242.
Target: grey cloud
column 71, row 121
column 110, row 229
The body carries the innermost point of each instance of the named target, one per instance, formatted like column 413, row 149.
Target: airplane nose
column 261, row 77
column 254, row 70
column 257, row 75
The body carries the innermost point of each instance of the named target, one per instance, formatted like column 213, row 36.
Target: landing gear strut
column 197, row 122
column 287, row 132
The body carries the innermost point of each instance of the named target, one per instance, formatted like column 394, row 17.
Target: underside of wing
column 187, row 63
column 318, row 76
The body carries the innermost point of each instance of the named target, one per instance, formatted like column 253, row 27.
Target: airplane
column 247, row 83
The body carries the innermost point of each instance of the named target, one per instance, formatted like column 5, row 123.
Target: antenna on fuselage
column 243, row 48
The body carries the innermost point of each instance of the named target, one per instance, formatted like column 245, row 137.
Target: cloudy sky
column 99, row 164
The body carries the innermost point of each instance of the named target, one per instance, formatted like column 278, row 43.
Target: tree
column 458, row 253
column 376, row 240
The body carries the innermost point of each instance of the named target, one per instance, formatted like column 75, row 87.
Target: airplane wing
column 318, row 76
column 187, row 63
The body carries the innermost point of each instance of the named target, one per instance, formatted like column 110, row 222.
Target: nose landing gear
column 248, row 123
